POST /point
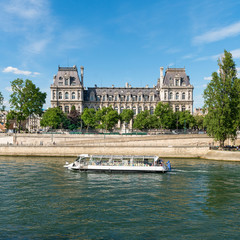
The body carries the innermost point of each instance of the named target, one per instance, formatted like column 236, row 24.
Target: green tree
column 222, row 101
column 107, row 118
column 89, row 117
column 185, row 120
column 53, row 118
column 26, row 99
column 199, row 119
column 164, row 114
column 126, row 116
column 145, row 121
column 74, row 118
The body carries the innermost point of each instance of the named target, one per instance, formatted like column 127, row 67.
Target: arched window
column 139, row 109
column 134, row 110
column 92, row 96
column 183, row 108
column 177, row 108
column 66, row 109
column 66, row 95
column 170, row 95
column 183, row 95
column 73, row 95
column 151, row 110
column 177, row 96
column 60, row 95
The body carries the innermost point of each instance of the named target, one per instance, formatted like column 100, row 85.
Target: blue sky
column 116, row 41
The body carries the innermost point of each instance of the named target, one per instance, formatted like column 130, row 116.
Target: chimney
column 82, row 68
column 161, row 76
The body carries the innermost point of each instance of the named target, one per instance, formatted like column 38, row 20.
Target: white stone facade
column 174, row 88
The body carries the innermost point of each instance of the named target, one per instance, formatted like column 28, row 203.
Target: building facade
column 173, row 87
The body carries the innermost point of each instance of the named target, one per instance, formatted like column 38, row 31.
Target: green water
column 39, row 199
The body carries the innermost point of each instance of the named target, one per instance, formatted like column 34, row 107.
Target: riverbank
column 168, row 146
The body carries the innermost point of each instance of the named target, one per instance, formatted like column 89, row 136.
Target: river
column 40, row 199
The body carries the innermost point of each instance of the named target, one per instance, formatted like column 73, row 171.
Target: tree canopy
column 25, row 99
column 222, row 101
column 53, row 118
column 164, row 114
column 89, row 117
column 107, row 118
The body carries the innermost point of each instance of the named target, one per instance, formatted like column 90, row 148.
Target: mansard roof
column 118, row 90
column 66, row 73
column 172, row 73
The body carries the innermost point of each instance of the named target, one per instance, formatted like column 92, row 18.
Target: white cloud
column 18, row 71
column 27, row 9
column 207, row 78
column 8, row 89
column 235, row 53
column 219, row 34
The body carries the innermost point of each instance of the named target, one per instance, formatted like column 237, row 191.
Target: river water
column 39, row 199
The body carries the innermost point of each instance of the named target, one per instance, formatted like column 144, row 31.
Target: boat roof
column 125, row 157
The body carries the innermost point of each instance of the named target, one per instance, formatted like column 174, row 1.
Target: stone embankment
column 175, row 146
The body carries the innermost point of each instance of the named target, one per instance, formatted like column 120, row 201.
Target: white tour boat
column 116, row 163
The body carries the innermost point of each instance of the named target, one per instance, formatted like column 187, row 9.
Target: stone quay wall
column 174, row 146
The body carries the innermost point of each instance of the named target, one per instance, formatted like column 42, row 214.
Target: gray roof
column 67, row 72
column 172, row 73
column 120, row 91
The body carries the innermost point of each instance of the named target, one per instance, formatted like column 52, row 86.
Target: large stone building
column 174, row 88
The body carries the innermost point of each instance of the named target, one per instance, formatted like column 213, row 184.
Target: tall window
column 121, row 109
column 165, row 95
column 177, row 96
column 134, row 110
column 189, row 95
column 127, row 98
column 139, row 98
column 183, row 108
column 66, row 95
column 115, row 98
column 146, row 98
column 122, row 98
column 177, row 82
column 66, row 109
column 104, row 98
column 73, row 95
column 139, row 109
column 177, row 108
column 60, row 95
column 116, row 109
column 183, row 95
column 145, row 108
column 134, row 98
column 66, row 81
column 170, row 95
column 151, row 110
column 110, row 98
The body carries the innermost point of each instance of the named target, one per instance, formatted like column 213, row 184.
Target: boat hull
column 127, row 169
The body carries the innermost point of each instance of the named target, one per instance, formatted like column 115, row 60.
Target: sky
column 116, row 41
